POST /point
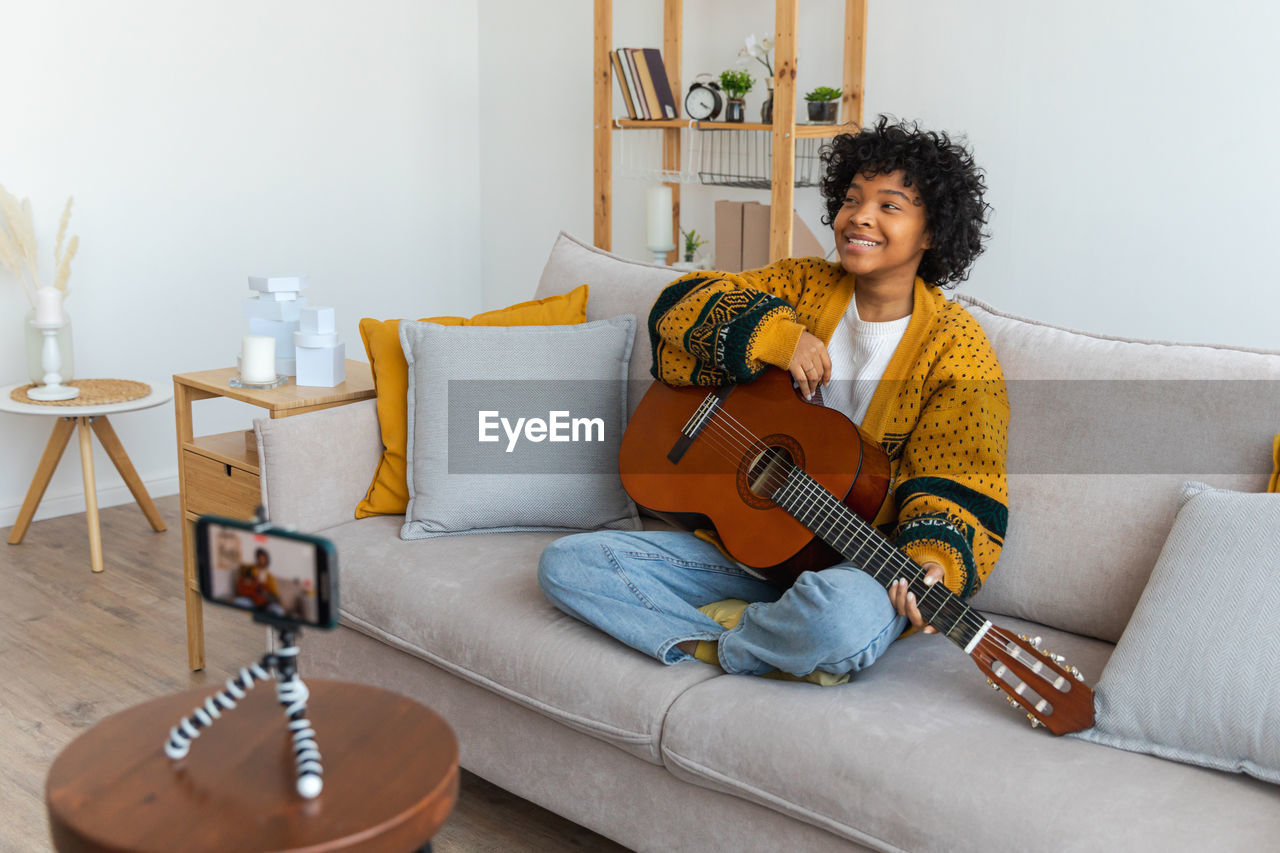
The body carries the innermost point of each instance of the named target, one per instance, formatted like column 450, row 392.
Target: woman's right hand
column 810, row 364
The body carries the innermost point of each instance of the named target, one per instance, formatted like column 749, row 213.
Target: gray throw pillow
column 1193, row 678
column 516, row 428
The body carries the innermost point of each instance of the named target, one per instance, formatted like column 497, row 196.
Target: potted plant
column 823, row 102
column 735, row 84
column 692, row 242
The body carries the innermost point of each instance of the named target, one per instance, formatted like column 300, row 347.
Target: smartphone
column 278, row 575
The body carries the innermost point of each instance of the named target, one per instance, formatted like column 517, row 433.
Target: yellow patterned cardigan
column 940, row 412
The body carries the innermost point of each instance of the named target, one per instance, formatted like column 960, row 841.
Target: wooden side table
column 218, row 474
column 81, row 419
column 390, row 776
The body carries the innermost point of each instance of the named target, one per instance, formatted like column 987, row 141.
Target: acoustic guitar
column 790, row 486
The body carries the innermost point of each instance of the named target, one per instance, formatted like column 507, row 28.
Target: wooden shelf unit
column 802, row 131
column 785, row 129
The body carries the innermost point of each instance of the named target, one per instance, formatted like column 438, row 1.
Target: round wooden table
column 390, row 776
column 72, row 417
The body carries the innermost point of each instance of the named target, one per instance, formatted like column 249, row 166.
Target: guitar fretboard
column 821, row 512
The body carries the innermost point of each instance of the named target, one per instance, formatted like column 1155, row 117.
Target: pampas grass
column 57, row 249
column 64, row 265
column 19, row 250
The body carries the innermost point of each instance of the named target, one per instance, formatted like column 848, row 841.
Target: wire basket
column 745, row 159
column 639, row 156
column 725, row 158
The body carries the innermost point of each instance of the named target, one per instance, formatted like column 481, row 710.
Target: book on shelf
column 647, row 90
column 621, row 72
column 644, row 83
column 637, row 85
column 661, row 86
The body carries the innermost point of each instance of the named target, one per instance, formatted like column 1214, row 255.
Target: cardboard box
column 742, row 236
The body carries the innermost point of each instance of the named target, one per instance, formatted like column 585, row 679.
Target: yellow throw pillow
column 1274, row 485
column 388, row 494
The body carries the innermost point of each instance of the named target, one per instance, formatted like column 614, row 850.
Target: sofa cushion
column 471, row 605
column 388, row 494
column 1192, row 678
column 557, row 479
column 618, row 286
column 1103, row 431
column 890, row 760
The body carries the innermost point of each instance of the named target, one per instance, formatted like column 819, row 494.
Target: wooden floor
column 75, row 647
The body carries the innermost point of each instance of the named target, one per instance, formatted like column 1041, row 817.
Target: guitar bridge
column 697, row 421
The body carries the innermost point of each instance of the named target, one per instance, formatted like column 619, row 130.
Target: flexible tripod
column 292, row 694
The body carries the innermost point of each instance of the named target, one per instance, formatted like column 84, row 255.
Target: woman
column 873, row 332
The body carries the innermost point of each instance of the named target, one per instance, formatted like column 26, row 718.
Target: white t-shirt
column 860, row 352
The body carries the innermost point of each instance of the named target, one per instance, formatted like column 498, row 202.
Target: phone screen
column 280, row 575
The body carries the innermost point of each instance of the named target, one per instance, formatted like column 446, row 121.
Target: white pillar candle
column 258, row 359
column 659, row 218
column 49, row 305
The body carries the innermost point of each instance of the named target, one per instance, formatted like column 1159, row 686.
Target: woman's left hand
column 905, row 602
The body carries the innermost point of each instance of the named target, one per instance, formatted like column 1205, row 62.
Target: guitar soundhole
column 764, row 468
column 768, row 470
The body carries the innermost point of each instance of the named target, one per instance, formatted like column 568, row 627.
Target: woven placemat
column 93, row 392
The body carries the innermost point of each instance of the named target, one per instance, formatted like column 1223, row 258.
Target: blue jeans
column 645, row 588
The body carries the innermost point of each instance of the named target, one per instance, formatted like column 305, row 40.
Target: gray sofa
column 916, row 753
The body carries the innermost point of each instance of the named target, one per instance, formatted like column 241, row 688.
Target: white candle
column 659, row 218
column 258, row 359
column 49, row 305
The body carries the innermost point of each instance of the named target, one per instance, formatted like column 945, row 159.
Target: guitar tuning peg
column 1035, row 641
column 1077, row 673
column 1034, row 722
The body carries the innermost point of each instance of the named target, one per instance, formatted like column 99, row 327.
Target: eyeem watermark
column 559, row 426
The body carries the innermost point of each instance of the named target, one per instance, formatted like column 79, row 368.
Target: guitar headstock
column 1052, row 692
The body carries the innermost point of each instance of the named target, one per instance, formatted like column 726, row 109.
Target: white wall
column 419, row 157
column 208, row 142
column 1129, row 144
column 535, row 137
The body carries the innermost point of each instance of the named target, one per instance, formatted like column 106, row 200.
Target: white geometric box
column 323, row 367
column 277, row 283
column 281, row 330
column 269, row 309
column 315, row 340
column 318, row 321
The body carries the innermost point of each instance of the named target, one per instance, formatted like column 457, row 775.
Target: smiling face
column 880, row 230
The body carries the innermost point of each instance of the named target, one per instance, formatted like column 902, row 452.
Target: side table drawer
column 216, row 488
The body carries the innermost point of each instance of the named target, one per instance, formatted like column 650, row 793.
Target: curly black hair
column 941, row 170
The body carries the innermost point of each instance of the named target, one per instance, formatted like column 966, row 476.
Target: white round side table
column 82, row 419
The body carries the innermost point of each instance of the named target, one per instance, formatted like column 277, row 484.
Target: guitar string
column 815, row 493
column 995, row 642
column 951, row 607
